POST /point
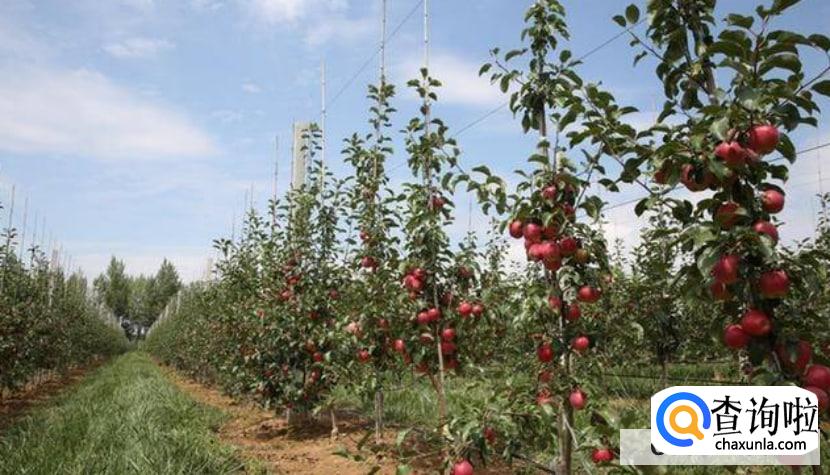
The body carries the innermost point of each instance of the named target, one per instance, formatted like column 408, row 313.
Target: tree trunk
column 378, row 416
column 334, row 431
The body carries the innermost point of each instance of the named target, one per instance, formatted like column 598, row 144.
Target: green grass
column 125, row 418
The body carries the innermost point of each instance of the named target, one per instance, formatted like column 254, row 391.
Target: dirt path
column 16, row 405
column 262, row 436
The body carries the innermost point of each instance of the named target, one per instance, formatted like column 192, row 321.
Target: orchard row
column 350, row 282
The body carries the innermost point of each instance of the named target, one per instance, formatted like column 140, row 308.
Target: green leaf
column 512, row 54
column 720, row 127
column 484, row 69
column 822, row 87
column 707, row 259
column 403, row 470
column 632, row 13
column 779, row 6
column 820, row 41
column 726, row 48
column 784, row 61
column 740, row 20
column 619, row 19
column 401, row 436
column 749, row 98
column 787, row 149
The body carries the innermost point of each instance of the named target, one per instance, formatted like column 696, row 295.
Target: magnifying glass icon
column 692, row 428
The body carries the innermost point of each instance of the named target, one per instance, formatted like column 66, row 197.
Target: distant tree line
column 138, row 298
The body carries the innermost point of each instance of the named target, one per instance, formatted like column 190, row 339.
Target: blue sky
column 136, row 127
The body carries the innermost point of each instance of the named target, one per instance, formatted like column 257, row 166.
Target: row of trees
column 352, row 281
column 48, row 319
column 140, row 299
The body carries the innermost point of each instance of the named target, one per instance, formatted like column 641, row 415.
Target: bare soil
column 307, row 447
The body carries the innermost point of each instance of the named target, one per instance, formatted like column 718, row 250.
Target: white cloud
column 461, row 83
column 83, row 113
column 251, row 88
column 138, row 47
column 290, row 11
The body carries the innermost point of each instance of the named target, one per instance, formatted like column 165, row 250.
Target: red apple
column 555, row 303
column 549, row 231
column 465, row 309
column 434, row 314
column 463, row 467
column 690, row 178
column 550, row 251
column 772, row 201
column 725, row 270
column 423, row 318
column 774, row 284
column 552, row 265
column 588, row 294
column 545, row 376
column 478, row 310
column 536, row 252
column 581, row 256
column 767, row 228
column 568, row 246
column 578, row 399
column 549, row 192
column 544, row 397
column 545, row 353
column 438, row 202
column 821, row 394
column 448, row 334
column 490, row 435
column 803, row 352
column 661, row 176
column 756, row 323
column 726, row 214
column 573, row 313
column 580, row 343
column 763, row 138
column 419, row 273
column 400, row 346
column 818, row 375
column 599, row 456
column 368, row 262
column 317, row 357
column 516, row 229
column 447, row 347
column 732, row 154
column 364, row 356
column 532, row 232
column 735, row 337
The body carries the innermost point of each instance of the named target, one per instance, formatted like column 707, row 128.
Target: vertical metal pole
column 23, row 229
column 383, row 42
column 322, row 124
column 276, row 176
column 7, row 248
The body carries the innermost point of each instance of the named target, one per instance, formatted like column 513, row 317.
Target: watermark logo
column 692, row 423
column 734, row 420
